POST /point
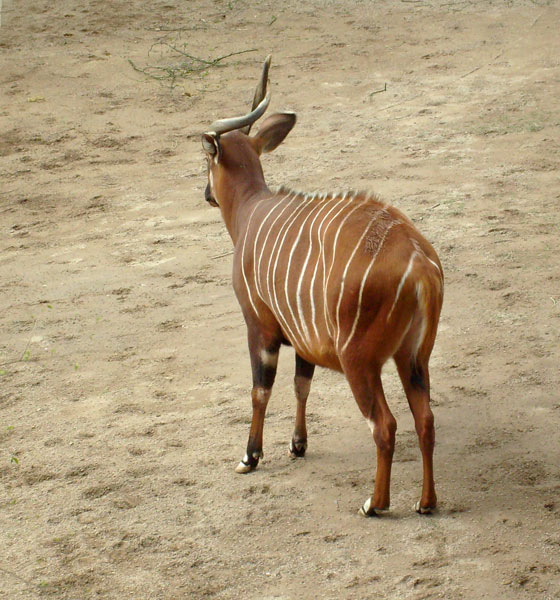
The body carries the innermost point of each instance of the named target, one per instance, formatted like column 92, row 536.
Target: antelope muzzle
column 208, row 196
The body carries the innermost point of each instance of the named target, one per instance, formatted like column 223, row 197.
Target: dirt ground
column 124, row 375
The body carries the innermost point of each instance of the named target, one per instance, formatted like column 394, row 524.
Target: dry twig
column 182, row 70
column 384, row 89
column 222, row 254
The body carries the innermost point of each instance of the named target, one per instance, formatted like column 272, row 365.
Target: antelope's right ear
column 211, row 145
column 273, row 131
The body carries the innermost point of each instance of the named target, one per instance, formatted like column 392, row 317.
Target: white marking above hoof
column 292, row 450
column 422, row 511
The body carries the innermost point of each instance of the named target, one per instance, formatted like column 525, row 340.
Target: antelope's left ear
column 273, row 131
column 211, row 145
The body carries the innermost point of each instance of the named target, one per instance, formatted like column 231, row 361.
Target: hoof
column 368, row 511
column 248, row 464
column 243, row 468
column 297, row 449
column 421, row 510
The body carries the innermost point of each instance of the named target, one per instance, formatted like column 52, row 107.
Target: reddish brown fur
column 349, row 282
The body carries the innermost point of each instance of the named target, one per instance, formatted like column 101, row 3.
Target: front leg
column 264, row 359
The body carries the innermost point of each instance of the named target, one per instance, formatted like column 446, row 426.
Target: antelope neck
column 237, row 208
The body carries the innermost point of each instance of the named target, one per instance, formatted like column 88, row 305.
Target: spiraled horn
column 225, row 125
column 261, row 101
column 260, row 92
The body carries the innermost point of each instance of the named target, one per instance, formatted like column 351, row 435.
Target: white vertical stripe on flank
column 405, row 332
column 433, row 263
column 284, row 224
column 341, row 292
column 362, row 285
column 326, row 281
column 249, row 293
column 306, row 262
column 401, row 282
column 319, row 255
column 421, row 251
column 304, row 335
column 255, row 243
column 287, row 226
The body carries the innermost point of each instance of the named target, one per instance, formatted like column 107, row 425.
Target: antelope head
column 234, row 169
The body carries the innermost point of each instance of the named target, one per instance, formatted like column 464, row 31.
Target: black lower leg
column 263, row 366
column 417, row 377
column 302, row 384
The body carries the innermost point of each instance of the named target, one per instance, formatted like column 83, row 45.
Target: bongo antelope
column 344, row 278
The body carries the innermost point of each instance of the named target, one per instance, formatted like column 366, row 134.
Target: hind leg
column 415, row 378
column 302, row 385
column 369, row 395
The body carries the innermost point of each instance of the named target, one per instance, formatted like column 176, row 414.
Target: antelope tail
column 429, row 295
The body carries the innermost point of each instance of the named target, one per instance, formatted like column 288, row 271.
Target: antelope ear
column 273, row 131
column 211, row 145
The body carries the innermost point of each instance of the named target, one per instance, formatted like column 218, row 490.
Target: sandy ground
column 124, row 375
